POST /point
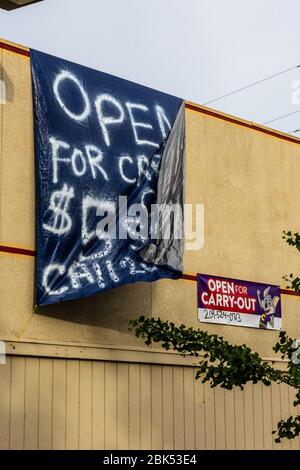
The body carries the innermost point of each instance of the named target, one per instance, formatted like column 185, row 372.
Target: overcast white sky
column 196, row 49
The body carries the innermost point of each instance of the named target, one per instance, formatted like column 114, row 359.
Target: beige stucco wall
column 75, row 377
column 247, row 181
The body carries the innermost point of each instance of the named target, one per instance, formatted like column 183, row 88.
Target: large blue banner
column 99, row 142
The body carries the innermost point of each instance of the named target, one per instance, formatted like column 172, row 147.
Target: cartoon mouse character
column 268, row 305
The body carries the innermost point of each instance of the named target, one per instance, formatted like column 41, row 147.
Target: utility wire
column 251, row 85
column 281, row 117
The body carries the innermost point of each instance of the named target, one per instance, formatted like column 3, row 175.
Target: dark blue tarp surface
column 97, row 137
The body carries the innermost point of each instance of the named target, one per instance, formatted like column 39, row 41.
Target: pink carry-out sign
column 239, row 303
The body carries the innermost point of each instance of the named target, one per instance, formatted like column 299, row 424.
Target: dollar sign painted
column 59, row 204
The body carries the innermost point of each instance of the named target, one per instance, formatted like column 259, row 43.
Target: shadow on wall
column 111, row 309
column 8, row 88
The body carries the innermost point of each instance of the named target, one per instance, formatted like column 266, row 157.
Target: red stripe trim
column 289, row 292
column 15, row 49
column 249, row 125
column 187, row 277
column 17, row 251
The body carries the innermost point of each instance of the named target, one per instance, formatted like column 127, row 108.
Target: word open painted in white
column 110, row 112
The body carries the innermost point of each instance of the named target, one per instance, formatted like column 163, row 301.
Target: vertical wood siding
column 76, row 404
